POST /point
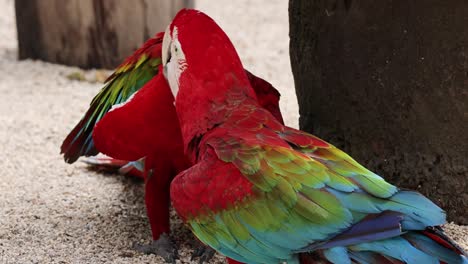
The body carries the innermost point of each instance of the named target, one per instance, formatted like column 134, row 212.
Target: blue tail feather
column 397, row 248
column 418, row 211
column 371, row 228
column 412, row 247
column 337, row 255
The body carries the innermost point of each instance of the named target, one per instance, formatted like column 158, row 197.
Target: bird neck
column 205, row 103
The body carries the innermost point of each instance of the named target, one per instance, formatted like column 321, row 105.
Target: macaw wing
column 261, row 214
column 303, row 193
column 148, row 122
column 128, row 78
column 145, row 124
column 362, row 191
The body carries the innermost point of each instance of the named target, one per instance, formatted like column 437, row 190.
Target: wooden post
column 89, row 33
column 387, row 81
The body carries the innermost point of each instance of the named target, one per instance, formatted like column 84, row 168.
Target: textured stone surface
column 386, row 82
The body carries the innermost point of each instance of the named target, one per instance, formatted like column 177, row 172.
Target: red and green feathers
column 261, row 192
column 258, row 192
column 264, row 193
column 133, row 118
column 128, row 78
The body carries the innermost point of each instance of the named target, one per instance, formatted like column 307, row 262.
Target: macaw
column 262, row 192
column 133, row 119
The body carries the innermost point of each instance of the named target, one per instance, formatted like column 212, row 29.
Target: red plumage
column 226, row 134
column 78, row 142
column 147, row 126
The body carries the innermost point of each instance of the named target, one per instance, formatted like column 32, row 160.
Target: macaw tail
column 430, row 246
column 124, row 167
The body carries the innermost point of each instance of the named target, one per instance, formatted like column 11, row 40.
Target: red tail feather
column 231, row 261
column 436, row 234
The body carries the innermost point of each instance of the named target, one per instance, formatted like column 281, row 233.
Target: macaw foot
column 204, row 253
column 163, row 247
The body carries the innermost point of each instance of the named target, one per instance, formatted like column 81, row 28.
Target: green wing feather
column 299, row 192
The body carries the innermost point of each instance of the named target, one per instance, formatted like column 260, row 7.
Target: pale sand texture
column 52, row 212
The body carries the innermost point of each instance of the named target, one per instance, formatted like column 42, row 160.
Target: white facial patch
column 176, row 64
column 165, row 49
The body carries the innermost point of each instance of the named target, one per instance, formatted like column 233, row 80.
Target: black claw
column 163, row 247
column 207, row 255
column 203, row 252
column 197, row 253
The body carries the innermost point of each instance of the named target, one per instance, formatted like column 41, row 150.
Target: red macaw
column 261, row 192
column 147, row 131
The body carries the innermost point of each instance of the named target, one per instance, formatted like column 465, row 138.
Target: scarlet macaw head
column 194, row 43
column 203, row 70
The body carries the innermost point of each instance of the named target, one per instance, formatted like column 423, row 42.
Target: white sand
column 52, row 212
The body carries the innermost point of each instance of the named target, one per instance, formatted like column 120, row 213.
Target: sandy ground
column 52, row 212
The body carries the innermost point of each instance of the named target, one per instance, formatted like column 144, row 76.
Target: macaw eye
column 176, row 49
